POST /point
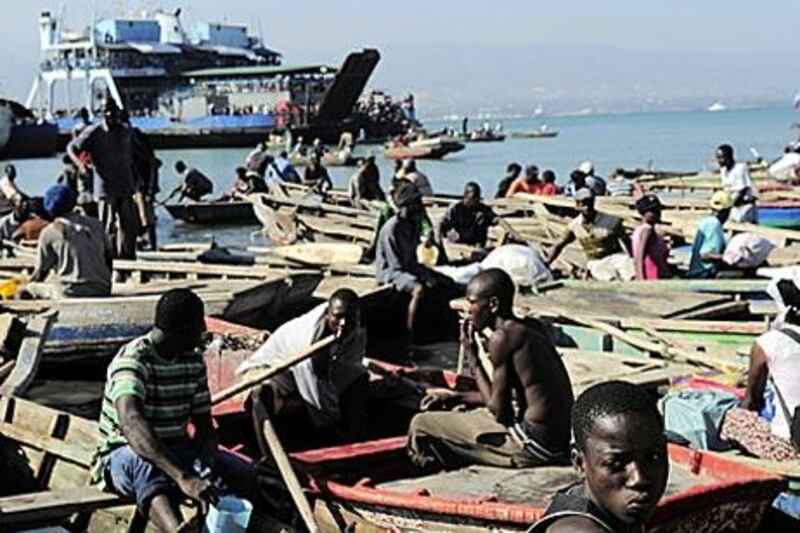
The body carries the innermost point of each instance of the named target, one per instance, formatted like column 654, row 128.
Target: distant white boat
column 538, row 111
column 717, row 106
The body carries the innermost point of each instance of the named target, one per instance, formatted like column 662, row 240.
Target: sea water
column 683, row 141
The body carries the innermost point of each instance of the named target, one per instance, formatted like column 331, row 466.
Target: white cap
column 586, row 167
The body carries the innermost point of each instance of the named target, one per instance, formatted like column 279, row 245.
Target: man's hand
column 452, row 235
column 467, row 339
column 200, row 490
column 439, row 399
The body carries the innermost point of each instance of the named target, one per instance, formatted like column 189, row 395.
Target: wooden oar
column 288, row 475
column 257, row 379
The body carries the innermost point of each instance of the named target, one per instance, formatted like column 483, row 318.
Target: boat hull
column 213, row 213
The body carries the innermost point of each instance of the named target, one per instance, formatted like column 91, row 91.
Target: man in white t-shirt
column 736, row 182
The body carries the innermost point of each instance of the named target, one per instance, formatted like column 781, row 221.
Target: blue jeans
column 132, row 476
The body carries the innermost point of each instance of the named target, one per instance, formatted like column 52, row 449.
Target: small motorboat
column 542, row 133
column 426, row 148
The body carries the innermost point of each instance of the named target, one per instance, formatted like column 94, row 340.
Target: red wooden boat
column 373, row 481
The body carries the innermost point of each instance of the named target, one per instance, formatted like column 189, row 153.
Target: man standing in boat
column 111, row 147
column 194, row 185
column 522, row 383
column 330, row 387
column 155, row 386
column 365, row 183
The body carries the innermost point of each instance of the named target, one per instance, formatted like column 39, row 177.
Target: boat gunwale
column 741, row 481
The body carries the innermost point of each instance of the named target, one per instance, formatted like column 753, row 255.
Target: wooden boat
column 432, row 148
column 484, row 137
column 343, row 158
column 781, row 214
column 96, row 326
column 539, row 134
column 213, row 212
column 375, row 481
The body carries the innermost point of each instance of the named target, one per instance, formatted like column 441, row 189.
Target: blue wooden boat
column 783, row 214
column 89, row 327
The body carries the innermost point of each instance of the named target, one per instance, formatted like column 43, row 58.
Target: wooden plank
column 41, row 507
column 29, row 356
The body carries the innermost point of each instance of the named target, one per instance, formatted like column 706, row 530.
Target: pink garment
column 655, row 256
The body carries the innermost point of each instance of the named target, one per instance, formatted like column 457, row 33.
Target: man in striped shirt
column 156, row 386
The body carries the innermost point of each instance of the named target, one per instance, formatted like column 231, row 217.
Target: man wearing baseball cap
column 73, row 246
column 709, row 241
column 396, row 260
column 602, row 238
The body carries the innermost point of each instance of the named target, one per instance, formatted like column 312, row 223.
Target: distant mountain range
column 564, row 78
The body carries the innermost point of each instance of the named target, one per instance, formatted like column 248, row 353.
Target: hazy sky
column 323, row 30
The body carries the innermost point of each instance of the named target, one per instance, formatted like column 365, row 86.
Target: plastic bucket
column 229, row 515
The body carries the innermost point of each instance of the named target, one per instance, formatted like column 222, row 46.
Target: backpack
column 792, row 419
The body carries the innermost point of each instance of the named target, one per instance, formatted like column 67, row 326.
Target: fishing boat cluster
column 685, row 320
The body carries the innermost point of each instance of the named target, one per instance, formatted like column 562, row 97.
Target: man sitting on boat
column 331, row 386
column 522, row 383
column 513, row 171
column 155, row 386
column 420, row 180
column 316, row 176
column 709, row 240
column 736, row 182
column 602, row 238
column 468, row 221
column 396, row 260
column 774, row 363
column 527, row 184
column 593, row 181
column 282, row 170
column 365, row 183
column 621, row 451
column 74, row 247
column 193, row 185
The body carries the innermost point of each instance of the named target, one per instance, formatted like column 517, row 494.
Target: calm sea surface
column 664, row 141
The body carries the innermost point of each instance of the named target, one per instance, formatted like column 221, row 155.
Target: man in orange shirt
column 528, row 184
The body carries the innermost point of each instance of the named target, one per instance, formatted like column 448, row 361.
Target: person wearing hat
column 736, row 182
column 74, row 247
column 774, row 360
column 650, row 250
column 396, row 261
column 365, row 183
column 602, row 239
column 709, row 240
column 594, row 182
column 111, row 147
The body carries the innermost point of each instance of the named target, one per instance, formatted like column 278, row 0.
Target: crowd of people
column 522, row 413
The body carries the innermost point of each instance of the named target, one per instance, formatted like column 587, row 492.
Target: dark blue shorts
column 132, row 476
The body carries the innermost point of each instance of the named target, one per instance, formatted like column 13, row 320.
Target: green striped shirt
column 171, row 391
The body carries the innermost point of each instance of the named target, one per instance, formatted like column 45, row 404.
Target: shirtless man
column 525, row 395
